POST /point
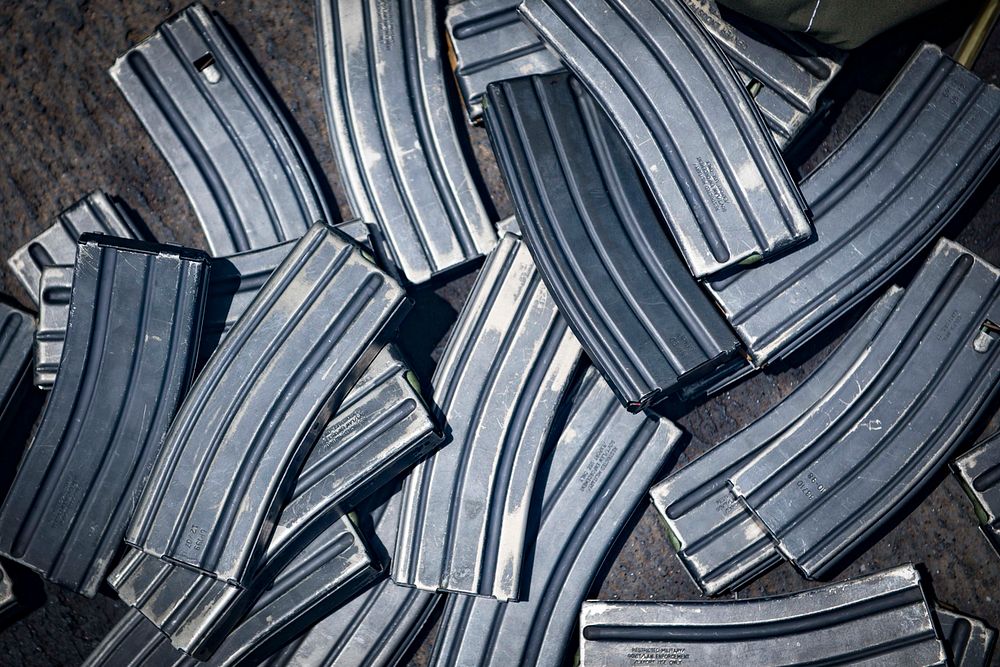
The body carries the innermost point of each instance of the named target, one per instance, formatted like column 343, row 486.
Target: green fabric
column 844, row 23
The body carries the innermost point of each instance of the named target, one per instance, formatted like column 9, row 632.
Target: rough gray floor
column 65, row 130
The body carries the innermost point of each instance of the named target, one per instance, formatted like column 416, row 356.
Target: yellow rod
column 975, row 37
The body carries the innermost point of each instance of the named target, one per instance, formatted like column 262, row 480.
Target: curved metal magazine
column 789, row 71
column 598, row 242
column 236, row 279
column 850, row 463
column 717, row 539
column 882, row 618
column 696, row 135
column 334, row 567
column 489, row 42
column 235, row 448
column 233, row 283
column 593, row 480
column 394, row 137
column 786, row 73
column 508, row 362
column 381, row 429
column 56, row 246
column 225, row 136
column 131, row 345
column 878, row 201
column 376, row 628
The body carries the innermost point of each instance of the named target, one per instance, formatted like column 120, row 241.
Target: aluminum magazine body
column 236, row 279
column 233, row 283
column 593, row 481
column 54, row 288
column 979, row 472
column 878, row 201
column 711, row 165
column 786, row 72
column 225, row 136
column 375, row 629
column 394, row 136
column 489, row 42
column 852, row 461
column 969, row 641
column 382, row 428
column 135, row 642
column 333, row 568
column 234, row 450
column 328, row 572
column 598, row 242
column 56, row 246
column 17, row 329
column 131, row 344
column 507, row 364
column 882, row 618
column 717, row 539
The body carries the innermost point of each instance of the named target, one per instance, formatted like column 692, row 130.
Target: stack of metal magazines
column 235, row 444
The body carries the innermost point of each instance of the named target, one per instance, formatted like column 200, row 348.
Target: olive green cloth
column 843, row 23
